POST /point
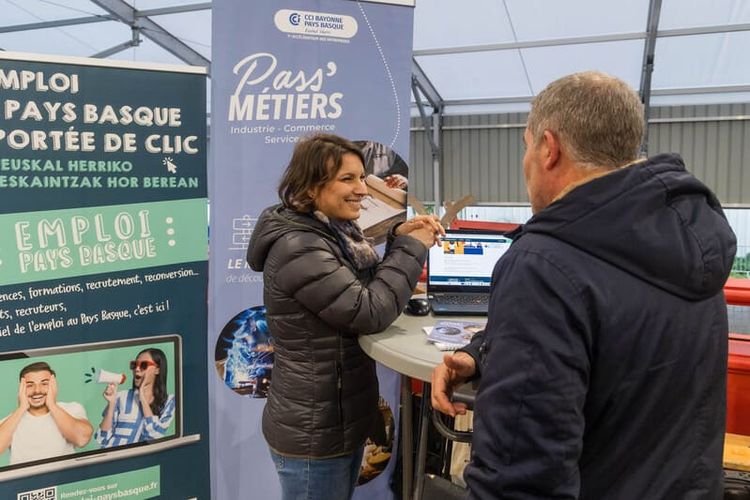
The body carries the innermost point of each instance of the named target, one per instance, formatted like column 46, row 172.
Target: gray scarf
column 355, row 244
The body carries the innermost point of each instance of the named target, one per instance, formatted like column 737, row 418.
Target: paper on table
column 442, row 346
column 454, row 332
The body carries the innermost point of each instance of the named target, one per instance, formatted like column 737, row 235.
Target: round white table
column 403, row 347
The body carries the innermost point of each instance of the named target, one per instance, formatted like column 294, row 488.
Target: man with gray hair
column 603, row 363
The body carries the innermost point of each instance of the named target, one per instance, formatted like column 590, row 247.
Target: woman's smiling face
column 341, row 197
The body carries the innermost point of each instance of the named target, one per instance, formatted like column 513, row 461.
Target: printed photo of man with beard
column 42, row 427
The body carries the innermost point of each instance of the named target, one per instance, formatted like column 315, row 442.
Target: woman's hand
column 418, row 222
column 425, row 228
column 146, row 390
column 396, row 181
column 110, row 393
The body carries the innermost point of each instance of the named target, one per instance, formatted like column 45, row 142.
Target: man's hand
column 51, row 400
column 23, row 398
column 451, row 373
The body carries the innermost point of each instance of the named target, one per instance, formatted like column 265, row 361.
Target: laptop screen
column 464, row 261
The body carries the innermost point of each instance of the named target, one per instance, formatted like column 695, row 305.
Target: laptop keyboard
column 463, row 299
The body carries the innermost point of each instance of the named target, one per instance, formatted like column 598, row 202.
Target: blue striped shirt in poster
column 130, row 426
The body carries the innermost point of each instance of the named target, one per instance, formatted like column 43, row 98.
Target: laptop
column 459, row 271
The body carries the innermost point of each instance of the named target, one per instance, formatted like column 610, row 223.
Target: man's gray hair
column 598, row 118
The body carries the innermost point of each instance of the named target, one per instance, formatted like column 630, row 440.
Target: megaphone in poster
column 107, row 377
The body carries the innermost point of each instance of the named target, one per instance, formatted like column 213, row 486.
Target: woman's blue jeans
column 318, row 478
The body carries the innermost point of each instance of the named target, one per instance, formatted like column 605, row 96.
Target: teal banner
column 103, row 276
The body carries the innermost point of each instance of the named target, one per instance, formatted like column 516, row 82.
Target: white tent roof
column 501, row 52
column 480, row 55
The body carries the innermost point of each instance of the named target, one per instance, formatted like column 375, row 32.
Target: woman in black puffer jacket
column 324, row 285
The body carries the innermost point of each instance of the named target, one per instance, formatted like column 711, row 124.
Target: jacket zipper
column 339, row 386
column 340, row 382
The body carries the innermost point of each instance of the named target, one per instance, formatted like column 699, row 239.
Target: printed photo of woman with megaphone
column 143, row 412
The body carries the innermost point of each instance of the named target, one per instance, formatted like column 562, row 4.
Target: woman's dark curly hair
column 315, row 161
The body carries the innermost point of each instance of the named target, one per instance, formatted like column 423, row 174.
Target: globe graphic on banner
column 244, row 355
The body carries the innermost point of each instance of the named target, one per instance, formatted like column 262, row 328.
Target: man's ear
column 551, row 151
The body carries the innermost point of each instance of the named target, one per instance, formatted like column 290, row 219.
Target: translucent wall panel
column 451, row 23
column 81, row 40
column 182, row 26
column 33, row 11
column 702, row 61
column 621, row 59
column 693, row 13
column 542, row 19
column 477, row 74
column 147, row 51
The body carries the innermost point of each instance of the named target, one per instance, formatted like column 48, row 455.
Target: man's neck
column 38, row 412
column 582, row 179
column 582, row 175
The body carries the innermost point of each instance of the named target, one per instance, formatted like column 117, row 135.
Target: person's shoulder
column 302, row 240
column 74, row 408
column 535, row 247
column 69, row 404
column 535, row 239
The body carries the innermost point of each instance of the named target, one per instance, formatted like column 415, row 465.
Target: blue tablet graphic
column 244, row 354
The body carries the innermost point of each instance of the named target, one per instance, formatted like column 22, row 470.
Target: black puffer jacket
column 324, row 392
column 604, row 373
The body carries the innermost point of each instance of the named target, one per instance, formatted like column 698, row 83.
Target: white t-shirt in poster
column 38, row 437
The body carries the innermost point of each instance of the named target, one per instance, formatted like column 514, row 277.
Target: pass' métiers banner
column 103, row 275
column 282, row 70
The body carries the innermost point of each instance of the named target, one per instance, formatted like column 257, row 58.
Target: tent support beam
column 422, row 86
column 177, row 9
column 103, row 18
column 718, row 89
column 437, row 153
column 128, row 15
column 134, row 42
column 57, row 24
column 617, row 37
column 419, row 78
column 647, row 68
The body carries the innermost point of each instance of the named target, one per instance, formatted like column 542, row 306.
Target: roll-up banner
column 282, row 70
column 103, row 276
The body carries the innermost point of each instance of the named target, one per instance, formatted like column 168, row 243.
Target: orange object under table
column 738, row 385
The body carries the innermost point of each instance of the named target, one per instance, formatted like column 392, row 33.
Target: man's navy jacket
column 603, row 365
